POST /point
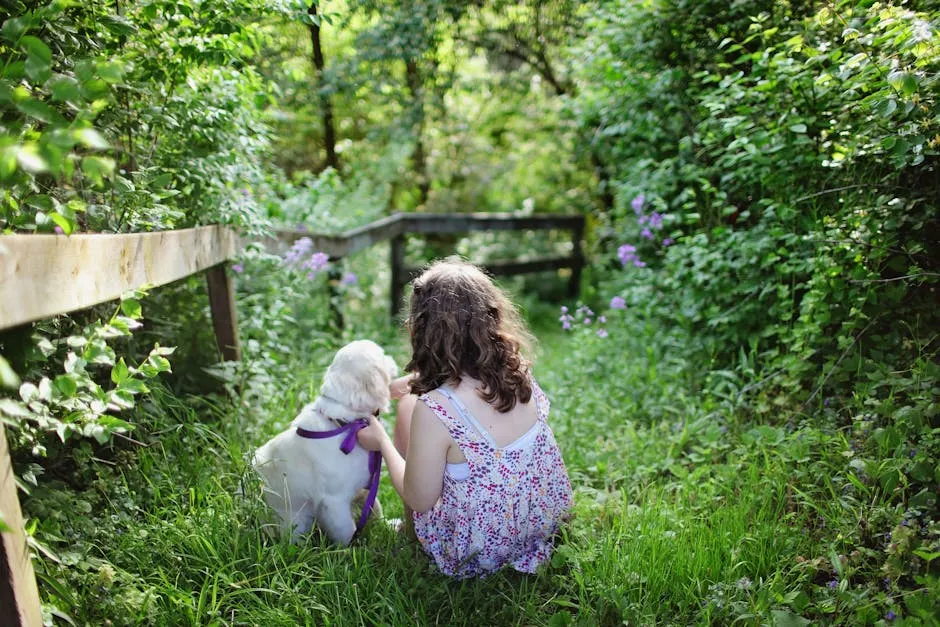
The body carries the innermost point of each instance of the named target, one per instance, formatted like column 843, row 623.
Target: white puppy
column 311, row 481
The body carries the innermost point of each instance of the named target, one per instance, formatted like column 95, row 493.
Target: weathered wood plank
column 19, row 596
column 352, row 241
column 467, row 222
column 508, row 268
column 349, row 242
column 222, row 306
column 45, row 275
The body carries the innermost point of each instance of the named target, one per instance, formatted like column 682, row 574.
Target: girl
column 476, row 460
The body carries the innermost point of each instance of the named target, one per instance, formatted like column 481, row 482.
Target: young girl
column 476, row 461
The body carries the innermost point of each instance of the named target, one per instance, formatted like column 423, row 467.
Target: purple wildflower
column 646, row 233
column 58, row 229
column 834, row 584
column 602, row 333
column 643, row 220
column 639, row 264
column 618, row 302
column 565, row 319
column 238, row 268
column 627, row 254
column 349, row 278
column 602, row 319
column 656, row 221
column 298, row 251
column 668, row 241
column 890, row 615
column 587, row 321
column 317, row 262
column 564, row 309
column 245, row 192
column 637, row 204
column 826, row 402
column 566, row 325
column 301, row 227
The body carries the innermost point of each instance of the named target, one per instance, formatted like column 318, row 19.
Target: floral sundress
column 508, row 508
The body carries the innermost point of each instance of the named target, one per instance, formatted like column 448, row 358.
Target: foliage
column 796, row 171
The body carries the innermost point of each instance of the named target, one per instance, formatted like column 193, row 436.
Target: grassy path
column 683, row 516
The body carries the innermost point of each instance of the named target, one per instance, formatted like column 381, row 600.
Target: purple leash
column 347, row 445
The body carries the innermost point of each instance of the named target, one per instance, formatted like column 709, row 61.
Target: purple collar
column 346, row 446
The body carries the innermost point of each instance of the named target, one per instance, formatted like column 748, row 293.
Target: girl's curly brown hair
column 462, row 324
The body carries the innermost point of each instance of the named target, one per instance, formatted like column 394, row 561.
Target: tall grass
column 687, row 512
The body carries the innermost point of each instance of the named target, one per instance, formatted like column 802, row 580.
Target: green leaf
column 97, row 168
column 35, row 47
column 13, row 29
column 13, row 409
column 120, row 372
column 8, row 377
column 29, row 159
column 66, row 385
column 111, row 72
column 798, row 128
column 786, row 618
column 131, row 308
column 91, row 138
column 64, row 89
column 64, row 223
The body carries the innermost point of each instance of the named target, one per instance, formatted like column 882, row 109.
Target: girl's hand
column 372, row 436
column 400, row 387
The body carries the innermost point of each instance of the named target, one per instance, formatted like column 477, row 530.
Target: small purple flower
column 668, row 241
column 238, row 268
column 627, row 254
column 646, row 233
column 602, row 333
column 349, row 278
column 300, row 249
column 245, row 192
column 602, row 319
column 656, row 221
column 890, row 615
column 826, row 402
column 643, row 220
column 58, row 230
column 564, row 309
column 566, row 325
column 618, row 302
column 301, row 227
column 833, row 584
column 637, row 204
column 639, row 264
column 317, row 262
column 587, row 321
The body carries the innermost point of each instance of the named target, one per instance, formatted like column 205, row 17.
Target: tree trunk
column 326, row 106
column 419, row 157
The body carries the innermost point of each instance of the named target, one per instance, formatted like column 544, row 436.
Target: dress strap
column 541, row 401
column 470, row 441
column 465, row 414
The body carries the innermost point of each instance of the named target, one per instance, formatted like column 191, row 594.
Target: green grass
column 686, row 513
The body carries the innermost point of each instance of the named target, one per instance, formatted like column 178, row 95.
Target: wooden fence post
column 574, row 283
column 398, row 274
column 19, row 596
column 222, row 306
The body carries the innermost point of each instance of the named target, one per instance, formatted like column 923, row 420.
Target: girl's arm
column 420, row 479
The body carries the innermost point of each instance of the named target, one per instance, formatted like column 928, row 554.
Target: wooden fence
column 47, row 275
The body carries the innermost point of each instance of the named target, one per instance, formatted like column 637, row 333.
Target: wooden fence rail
column 47, row 275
